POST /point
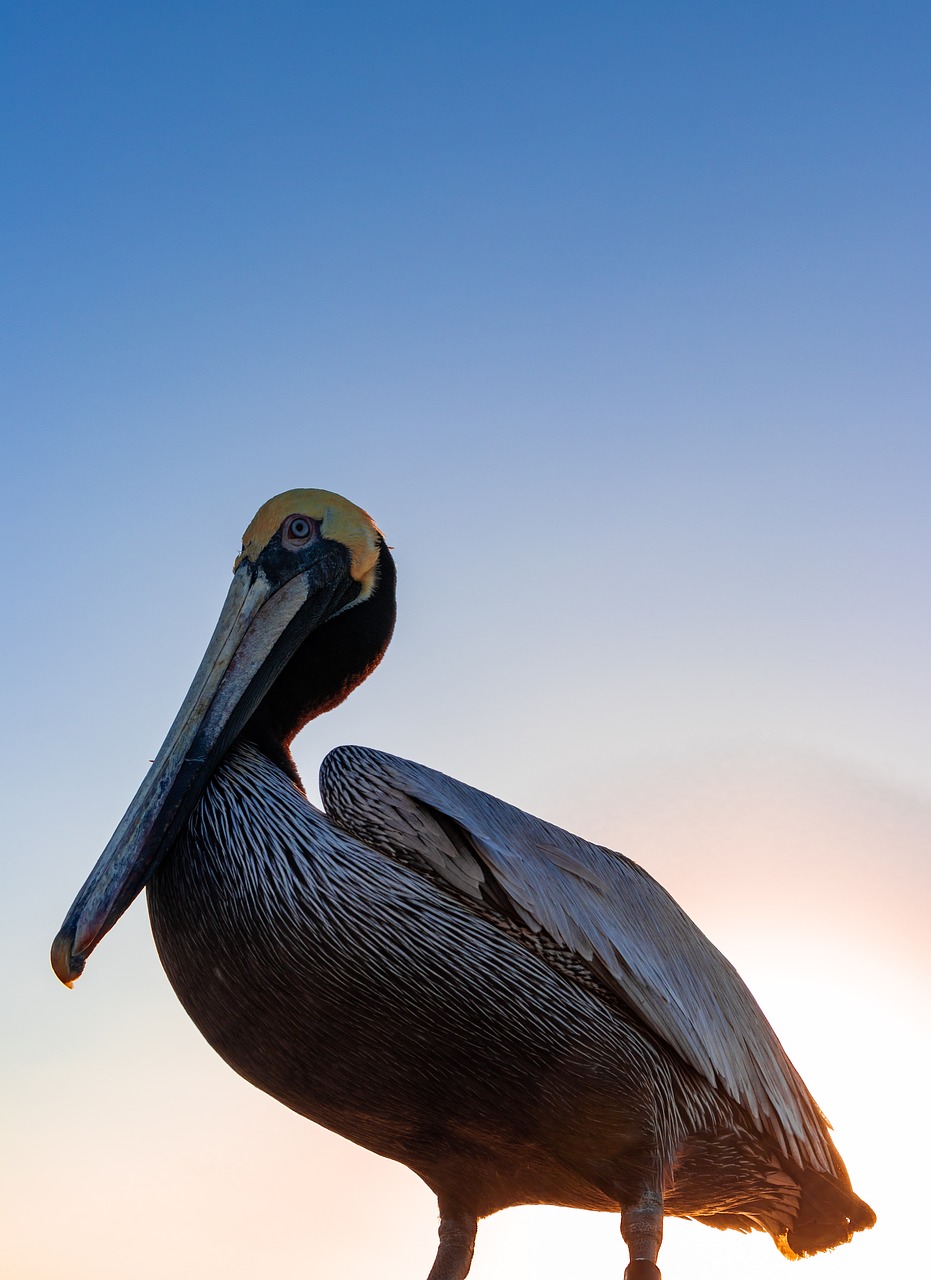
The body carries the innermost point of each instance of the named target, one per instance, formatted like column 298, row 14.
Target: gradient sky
column 615, row 317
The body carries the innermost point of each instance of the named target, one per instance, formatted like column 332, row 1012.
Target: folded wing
column 601, row 906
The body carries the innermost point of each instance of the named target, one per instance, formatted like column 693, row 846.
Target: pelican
column 517, row 1015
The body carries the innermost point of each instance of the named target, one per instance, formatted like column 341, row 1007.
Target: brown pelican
column 516, row 1014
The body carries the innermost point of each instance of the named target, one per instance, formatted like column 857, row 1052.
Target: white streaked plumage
column 515, row 1014
column 602, row 907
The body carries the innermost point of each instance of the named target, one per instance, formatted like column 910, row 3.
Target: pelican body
column 517, row 1015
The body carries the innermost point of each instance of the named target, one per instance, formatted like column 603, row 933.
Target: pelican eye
column 297, row 531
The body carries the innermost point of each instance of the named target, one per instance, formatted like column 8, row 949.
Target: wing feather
column 601, row 906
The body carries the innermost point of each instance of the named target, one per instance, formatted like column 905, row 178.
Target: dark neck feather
column 326, row 668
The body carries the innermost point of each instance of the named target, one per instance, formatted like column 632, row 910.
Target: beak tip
column 68, row 967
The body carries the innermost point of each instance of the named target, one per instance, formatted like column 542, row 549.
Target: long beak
column 259, row 629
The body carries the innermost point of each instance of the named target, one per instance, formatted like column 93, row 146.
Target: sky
column 615, row 317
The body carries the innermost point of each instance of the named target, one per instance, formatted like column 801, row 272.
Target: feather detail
column 603, row 908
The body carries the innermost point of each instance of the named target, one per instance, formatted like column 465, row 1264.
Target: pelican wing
column 600, row 906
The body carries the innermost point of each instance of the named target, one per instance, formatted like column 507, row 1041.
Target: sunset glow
column 615, row 318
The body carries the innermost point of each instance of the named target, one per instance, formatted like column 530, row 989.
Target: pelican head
column 280, row 654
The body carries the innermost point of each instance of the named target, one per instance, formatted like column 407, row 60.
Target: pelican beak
column 260, row 627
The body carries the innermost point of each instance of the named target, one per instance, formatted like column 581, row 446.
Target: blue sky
column 615, row 317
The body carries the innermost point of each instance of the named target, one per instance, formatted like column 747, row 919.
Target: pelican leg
column 642, row 1229
column 457, row 1242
